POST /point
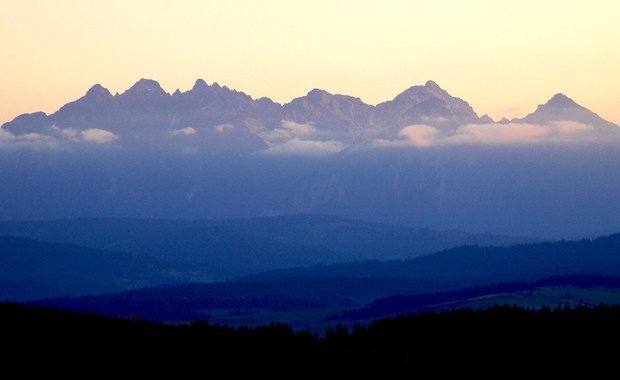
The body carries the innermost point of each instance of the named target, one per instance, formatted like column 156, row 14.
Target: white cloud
column 28, row 140
column 98, row 136
column 69, row 133
column 420, row 135
column 57, row 137
column 66, row 133
column 570, row 127
column 6, row 136
column 223, row 127
column 278, row 134
column 383, row 143
column 498, row 134
column 306, row 147
column 297, row 129
column 35, row 137
column 289, row 130
column 187, row 131
column 436, row 119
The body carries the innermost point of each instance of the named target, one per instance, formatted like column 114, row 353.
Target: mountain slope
column 460, row 187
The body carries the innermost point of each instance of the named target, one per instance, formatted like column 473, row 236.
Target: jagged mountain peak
column 420, row 93
column 337, row 114
column 315, row 96
column 146, row 86
column 561, row 100
column 427, row 104
column 432, row 87
column 318, row 93
column 199, row 85
column 559, row 108
column 98, row 90
column 202, row 89
column 486, row 119
column 96, row 102
column 318, row 97
column 26, row 123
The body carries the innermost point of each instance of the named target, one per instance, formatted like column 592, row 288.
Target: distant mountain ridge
column 218, row 118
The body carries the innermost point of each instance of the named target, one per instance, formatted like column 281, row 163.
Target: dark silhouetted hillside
column 549, row 342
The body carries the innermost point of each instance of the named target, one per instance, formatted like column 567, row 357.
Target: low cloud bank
column 306, row 147
column 98, row 136
column 187, row 131
column 421, row 135
column 57, row 138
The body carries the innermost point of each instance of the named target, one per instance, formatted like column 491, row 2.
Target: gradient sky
column 503, row 57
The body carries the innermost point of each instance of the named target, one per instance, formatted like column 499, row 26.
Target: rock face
column 428, row 104
column 336, row 114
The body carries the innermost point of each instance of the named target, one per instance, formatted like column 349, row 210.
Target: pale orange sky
column 503, row 57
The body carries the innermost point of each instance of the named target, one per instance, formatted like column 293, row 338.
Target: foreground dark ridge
column 521, row 341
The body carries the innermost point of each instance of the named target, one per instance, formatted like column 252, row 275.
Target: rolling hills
column 331, row 290
column 89, row 256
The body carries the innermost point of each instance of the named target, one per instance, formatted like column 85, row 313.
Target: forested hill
column 31, row 269
column 478, row 265
column 562, row 341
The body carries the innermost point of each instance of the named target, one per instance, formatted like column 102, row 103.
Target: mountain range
column 216, row 118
